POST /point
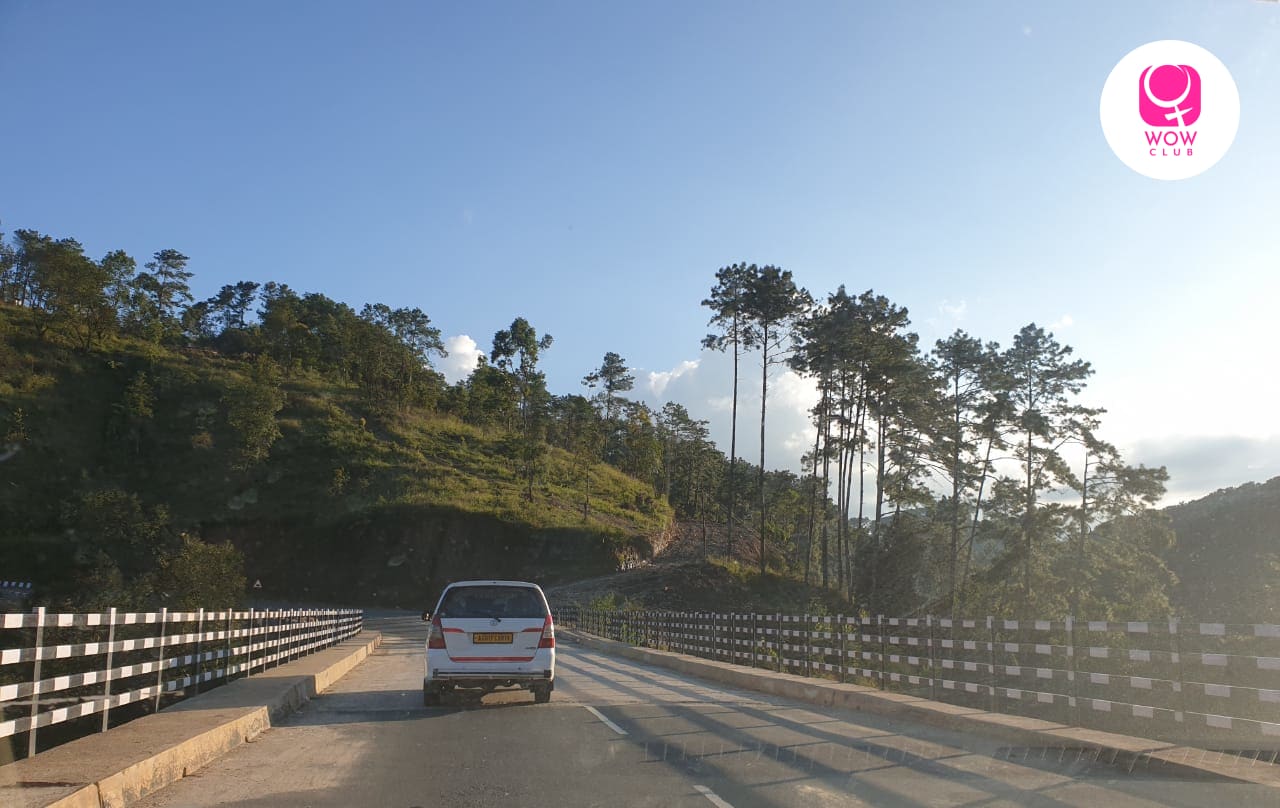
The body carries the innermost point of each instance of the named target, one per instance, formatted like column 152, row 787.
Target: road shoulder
column 1017, row 730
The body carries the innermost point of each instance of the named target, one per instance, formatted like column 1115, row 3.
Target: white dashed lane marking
column 606, row 721
column 711, row 795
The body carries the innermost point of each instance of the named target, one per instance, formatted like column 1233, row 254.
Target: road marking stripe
column 711, row 795
column 607, row 722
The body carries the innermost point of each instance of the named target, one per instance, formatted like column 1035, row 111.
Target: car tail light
column 548, row 634
column 436, row 638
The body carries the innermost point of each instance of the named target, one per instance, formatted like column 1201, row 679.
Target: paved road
column 617, row 733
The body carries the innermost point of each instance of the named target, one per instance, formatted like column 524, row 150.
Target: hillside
column 1227, row 557
column 692, row 571
column 349, row 504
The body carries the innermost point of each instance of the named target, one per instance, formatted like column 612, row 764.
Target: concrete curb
column 136, row 759
column 1015, row 730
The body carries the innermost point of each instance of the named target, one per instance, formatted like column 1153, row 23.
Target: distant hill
column 348, row 507
column 1227, row 556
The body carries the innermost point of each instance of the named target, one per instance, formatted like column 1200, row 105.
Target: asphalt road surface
column 617, row 733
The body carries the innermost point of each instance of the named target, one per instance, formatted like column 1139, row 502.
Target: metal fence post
column 226, row 663
column 884, row 675
column 248, row 649
column 840, row 624
column 164, row 616
column 808, row 645
column 991, row 661
column 755, row 642
column 933, row 672
column 731, row 641
column 741, row 643
column 1175, row 646
column 106, row 689
column 1073, row 671
column 35, row 680
column 199, row 645
column 780, row 651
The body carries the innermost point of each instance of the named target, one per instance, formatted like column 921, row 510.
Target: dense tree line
column 965, row 476
column 921, row 460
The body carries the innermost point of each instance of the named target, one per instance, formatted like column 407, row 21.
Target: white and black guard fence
column 1204, row 683
column 57, row 669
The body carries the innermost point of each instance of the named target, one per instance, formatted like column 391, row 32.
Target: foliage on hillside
column 711, row 585
column 1228, row 553
column 122, row 449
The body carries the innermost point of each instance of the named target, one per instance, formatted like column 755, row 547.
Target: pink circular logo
column 1187, row 111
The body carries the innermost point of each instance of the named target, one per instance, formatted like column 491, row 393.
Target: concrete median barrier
column 119, row 767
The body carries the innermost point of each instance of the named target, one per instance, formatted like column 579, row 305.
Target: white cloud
column 1201, row 464
column 1065, row 321
column 794, row 393
column 1026, row 30
column 953, row 311
column 463, row 353
column 798, row 443
column 659, row 379
column 721, row 403
column 704, row 385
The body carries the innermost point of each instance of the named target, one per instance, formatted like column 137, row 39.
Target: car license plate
column 491, row 638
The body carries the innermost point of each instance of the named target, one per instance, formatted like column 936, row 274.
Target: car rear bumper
column 540, row 666
column 489, row 678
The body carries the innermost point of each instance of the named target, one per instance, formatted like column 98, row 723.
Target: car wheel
column 541, row 695
column 430, row 697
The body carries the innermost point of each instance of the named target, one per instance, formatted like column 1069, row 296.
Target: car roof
column 493, row 583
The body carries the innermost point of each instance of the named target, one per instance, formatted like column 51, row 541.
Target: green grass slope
column 348, row 507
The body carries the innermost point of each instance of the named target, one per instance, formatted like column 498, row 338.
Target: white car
column 490, row 634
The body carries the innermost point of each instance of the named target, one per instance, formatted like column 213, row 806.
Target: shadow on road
column 382, row 706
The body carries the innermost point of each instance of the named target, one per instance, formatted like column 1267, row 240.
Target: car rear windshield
column 492, row 601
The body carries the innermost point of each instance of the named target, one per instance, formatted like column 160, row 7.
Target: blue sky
column 590, row 165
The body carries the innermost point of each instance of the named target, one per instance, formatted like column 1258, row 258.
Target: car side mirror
column 426, row 617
